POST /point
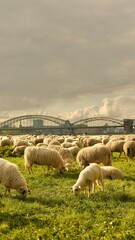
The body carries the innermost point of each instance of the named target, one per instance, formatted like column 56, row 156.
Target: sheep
column 38, row 140
column 12, row 178
column 99, row 153
column 111, row 172
column 20, row 142
column 54, row 142
column 18, row 151
column 116, row 146
column 42, row 156
column 66, row 144
column 5, row 142
column 129, row 149
column 55, row 147
column 90, row 176
column 74, row 150
column 67, row 157
column 105, row 140
column 92, row 141
column 42, row 145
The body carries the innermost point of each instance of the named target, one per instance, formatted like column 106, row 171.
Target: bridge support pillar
column 128, row 126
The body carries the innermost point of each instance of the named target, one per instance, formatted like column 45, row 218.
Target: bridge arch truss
column 27, row 120
column 97, row 120
column 53, row 125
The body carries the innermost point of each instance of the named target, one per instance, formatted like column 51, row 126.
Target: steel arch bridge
column 11, row 122
column 112, row 121
column 53, row 125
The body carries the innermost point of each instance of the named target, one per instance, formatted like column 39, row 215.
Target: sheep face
column 76, row 189
column 116, row 175
column 67, row 166
column 23, row 190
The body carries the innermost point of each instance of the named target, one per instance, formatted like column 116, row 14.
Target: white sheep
column 12, row 178
column 74, row 150
column 111, row 172
column 42, row 156
column 5, row 141
column 20, row 142
column 67, row 157
column 18, row 151
column 129, row 149
column 116, row 146
column 90, row 176
column 66, row 144
column 99, row 153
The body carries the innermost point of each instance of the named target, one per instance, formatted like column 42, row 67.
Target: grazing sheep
column 42, row 156
column 105, row 140
column 116, row 146
column 111, row 172
column 18, row 151
column 38, row 140
column 74, row 150
column 42, row 145
column 55, row 147
column 99, row 153
column 91, row 175
column 92, row 141
column 129, row 149
column 54, row 142
column 67, row 158
column 66, row 144
column 11, row 177
column 20, row 142
column 5, row 142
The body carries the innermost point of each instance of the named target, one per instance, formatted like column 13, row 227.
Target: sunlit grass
column 51, row 211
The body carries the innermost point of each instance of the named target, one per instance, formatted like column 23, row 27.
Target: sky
column 71, row 59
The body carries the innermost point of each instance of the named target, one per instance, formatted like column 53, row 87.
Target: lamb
column 111, row 172
column 42, row 156
column 12, row 178
column 99, row 153
column 91, row 175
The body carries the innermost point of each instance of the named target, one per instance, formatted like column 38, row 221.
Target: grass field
column 51, row 211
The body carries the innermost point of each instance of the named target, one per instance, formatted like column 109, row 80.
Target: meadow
column 52, row 211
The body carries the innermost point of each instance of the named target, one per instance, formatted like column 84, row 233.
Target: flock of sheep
column 93, row 155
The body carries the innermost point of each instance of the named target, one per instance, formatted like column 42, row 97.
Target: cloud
column 121, row 107
column 67, row 56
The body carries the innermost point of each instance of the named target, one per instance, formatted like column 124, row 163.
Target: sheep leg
column 90, row 186
column 93, row 184
column 120, row 154
column 7, row 190
column 84, row 191
column 102, row 184
column 30, row 169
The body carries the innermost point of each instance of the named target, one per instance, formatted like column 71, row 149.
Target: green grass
column 51, row 211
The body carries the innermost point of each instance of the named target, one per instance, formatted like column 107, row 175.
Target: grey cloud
column 63, row 51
